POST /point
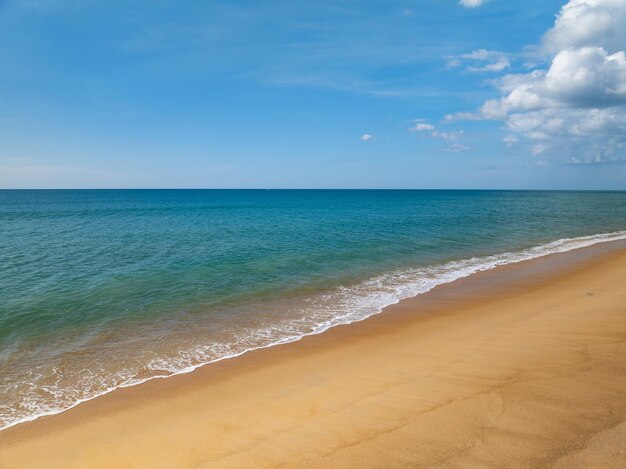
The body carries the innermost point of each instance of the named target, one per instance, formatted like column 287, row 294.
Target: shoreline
column 461, row 269
column 480, row 290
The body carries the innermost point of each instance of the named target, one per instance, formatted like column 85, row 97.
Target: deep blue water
column 104, row 287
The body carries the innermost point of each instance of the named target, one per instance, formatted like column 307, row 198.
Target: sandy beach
column 521, row 366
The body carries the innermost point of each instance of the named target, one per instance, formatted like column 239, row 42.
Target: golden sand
column 518, row 367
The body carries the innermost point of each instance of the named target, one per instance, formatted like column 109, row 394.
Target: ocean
column 101, row 289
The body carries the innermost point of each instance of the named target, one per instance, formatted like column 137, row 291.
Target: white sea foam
column 344, row 305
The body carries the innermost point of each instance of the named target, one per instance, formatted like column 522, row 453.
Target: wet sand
column 521, row 366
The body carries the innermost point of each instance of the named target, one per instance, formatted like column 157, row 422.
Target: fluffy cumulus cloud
column 577, row 103
column 595, row 23
column 367, row 137
column 587, row 77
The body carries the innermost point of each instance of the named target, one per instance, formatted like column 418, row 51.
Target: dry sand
column 522, row 366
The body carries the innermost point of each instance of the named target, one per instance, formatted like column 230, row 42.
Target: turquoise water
column 102, row 289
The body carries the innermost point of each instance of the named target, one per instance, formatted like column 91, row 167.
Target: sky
column 327, row 94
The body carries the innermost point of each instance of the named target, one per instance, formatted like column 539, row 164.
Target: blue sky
column 291, row 94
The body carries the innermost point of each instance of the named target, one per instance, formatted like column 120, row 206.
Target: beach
column 313, row 234
column 519, row 366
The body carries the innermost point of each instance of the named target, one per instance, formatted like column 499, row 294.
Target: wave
column 344, row 305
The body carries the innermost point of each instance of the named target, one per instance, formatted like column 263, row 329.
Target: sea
column 102, row 289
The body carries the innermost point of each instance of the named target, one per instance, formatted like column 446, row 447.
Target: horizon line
column 300, row 189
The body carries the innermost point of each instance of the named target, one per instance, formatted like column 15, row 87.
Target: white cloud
column 471, row 3
column 448, row 135
column 462, row 116
column 457, row 148
column 481, row 60
column 422, row 127
column 548, row 123
column 596, row 23
column 538, row 149
column 587, row 77
column 577, row 104
column 510, row 140
column 501, row 64
column 367, row 137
